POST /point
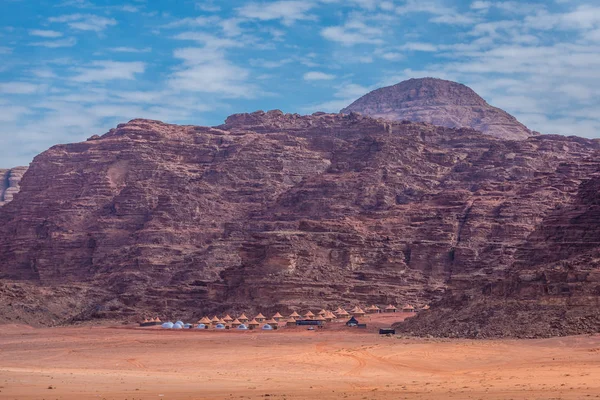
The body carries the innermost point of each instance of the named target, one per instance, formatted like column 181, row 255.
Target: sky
column 71, row 69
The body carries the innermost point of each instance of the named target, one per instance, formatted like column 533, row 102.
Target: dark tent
column 352, row 322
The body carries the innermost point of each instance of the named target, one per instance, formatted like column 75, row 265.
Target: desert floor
column 135, row 363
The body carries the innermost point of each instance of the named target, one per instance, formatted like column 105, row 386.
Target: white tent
column 177, row 325
column 180, row 323
column 267, row 327
column 188, row 326
column 242, row 327
column 220, row 326
column 167, row 325
column 201, row 326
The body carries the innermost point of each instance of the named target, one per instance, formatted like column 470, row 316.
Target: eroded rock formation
column 274, row 210
column 9, row 183
column 439, row 102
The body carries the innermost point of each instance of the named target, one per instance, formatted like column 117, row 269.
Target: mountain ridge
column 440, row 102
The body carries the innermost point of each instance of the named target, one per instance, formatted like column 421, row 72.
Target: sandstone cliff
column 439, row 102
column 9, row 183
column 274, row 210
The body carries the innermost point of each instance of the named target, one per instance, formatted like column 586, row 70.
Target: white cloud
column 317, row 76
column 45, row 33
column 18, row 88
column 288, row 11
column 11, row 113
column 85, row 22
column 344, row 95
column 418, row 46
column 206, row 70
column 209, row 41
column 130, row 50
column 99, row 71
column 353, row 33
column 53, row 44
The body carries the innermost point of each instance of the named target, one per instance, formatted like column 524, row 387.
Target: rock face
column 9, row 183
column 277, row 211
column 442, row 103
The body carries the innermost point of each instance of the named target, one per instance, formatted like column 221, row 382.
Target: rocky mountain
column 9, row 183
column 281, row 211
column 442, row 103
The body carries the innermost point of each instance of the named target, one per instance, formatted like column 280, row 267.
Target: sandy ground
column 118, row 363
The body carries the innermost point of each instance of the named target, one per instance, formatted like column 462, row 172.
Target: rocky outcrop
column 9, row 183
column 439, row 102
column 280, row 211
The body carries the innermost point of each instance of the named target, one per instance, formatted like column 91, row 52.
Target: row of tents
column 279, row 320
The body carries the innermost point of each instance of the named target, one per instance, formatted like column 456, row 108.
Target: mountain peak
column 439, row 102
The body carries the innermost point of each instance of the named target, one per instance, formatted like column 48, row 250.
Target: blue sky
column 74, row 68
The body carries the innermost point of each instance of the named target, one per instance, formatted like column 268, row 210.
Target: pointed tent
column 320, row 318
column 242, row 318
column 227, row 318
column 408, row 308
column 391, row 308
column 309, row 315
column 271, row 322
column 352, row 322
column 329, row 317
column 322, row 312
column 425, row 307
column 339, row 310
column 146, row 321
column 205, row 321
column 215, row 319
column 260, row 317
column 291, row 322
column 342, row 313
column 357, row 312
column 253, row 324
column 222, row 322
column 295, row 315
column 373, row 309
column 235, row 323
column 277, row 317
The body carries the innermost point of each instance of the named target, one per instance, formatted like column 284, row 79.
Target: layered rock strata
column 274, row 211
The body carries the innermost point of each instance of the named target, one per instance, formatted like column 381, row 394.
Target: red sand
column 117, row 363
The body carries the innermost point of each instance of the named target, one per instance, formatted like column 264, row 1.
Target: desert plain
column 91, row 362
